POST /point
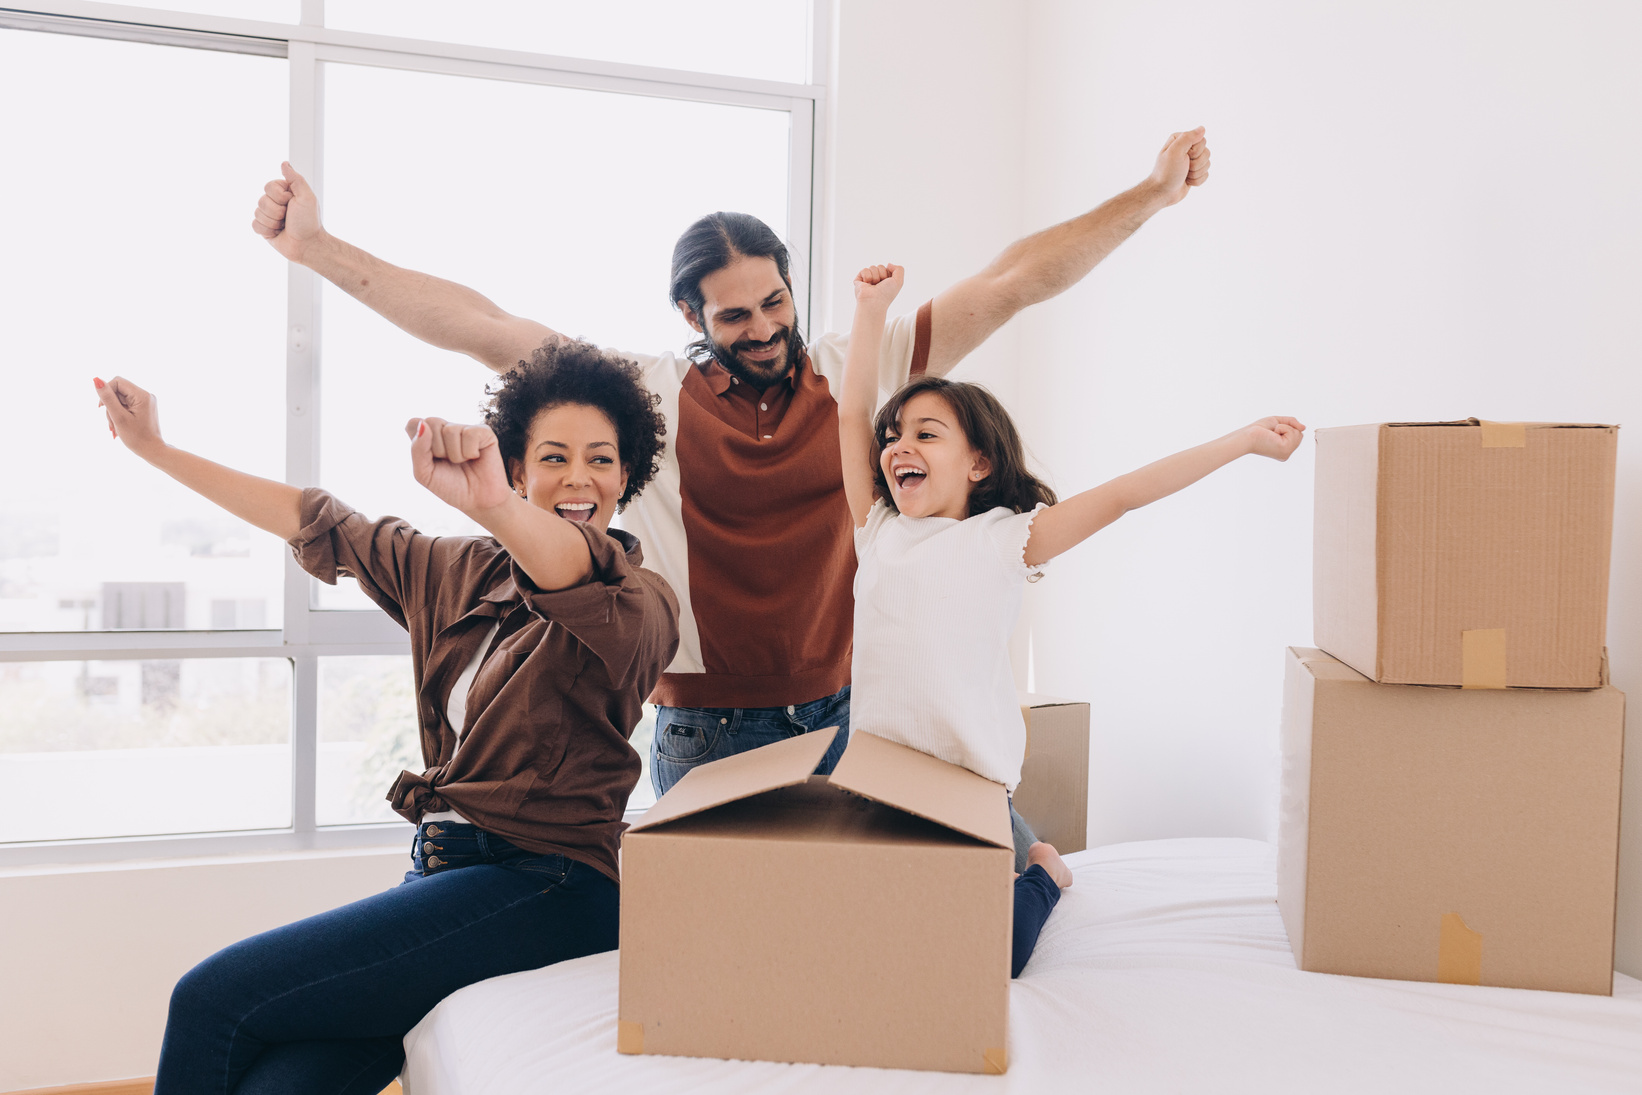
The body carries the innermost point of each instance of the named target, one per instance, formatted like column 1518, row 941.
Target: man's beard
column 760, row 374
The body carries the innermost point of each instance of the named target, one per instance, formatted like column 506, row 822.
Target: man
column 747, row 519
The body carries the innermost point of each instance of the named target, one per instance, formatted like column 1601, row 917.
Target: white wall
column 928, row 153
column 94, row 952
column 1417, row 210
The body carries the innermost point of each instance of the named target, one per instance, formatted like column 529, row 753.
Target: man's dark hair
column 990, row 432
column 711, row 244
column 566, row 371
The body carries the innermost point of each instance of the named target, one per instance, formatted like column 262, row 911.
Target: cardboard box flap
column 926, row 787
column 1030, row 700
column 783, row 764
column 1527, row 425
column 1324, row 666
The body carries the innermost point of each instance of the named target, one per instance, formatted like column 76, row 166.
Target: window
column 167, row 672
column 763, row 39
column 132, row 261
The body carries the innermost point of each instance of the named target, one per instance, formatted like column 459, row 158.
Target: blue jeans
column 322, row 1006
column 688, row 736
column 1035, row 896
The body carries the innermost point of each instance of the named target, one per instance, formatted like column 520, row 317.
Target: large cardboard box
column 1053, row 794
column 1434, row 834
column 857, row 919
column 1465, row 553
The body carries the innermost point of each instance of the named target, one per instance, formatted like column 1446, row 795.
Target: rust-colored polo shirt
column 748, row 522
column 544, row 760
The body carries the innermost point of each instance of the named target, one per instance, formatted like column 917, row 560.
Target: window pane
column 762, row 39
column 136, row 748
column 367, row 735
column 138, row 166
column 573, row 226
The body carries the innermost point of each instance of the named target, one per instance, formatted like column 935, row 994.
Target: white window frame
column 310, row 633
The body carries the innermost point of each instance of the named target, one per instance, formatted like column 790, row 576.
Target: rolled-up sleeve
column 625, row 615
column 389, row 559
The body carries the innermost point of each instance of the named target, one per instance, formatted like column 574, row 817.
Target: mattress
column 1165, row 968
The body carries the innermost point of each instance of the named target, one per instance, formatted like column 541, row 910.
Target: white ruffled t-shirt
column 936, row 600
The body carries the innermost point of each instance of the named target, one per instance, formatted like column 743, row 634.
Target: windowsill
column 141, row 853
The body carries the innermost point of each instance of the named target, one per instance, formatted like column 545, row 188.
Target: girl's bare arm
column 1064, row 526
column 875, row 287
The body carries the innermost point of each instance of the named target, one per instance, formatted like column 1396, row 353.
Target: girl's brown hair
column 990, row 432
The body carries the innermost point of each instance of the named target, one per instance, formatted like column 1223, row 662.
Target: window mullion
column 304, row 742
column 302, row 357
column 801, row 208
column 302, row 354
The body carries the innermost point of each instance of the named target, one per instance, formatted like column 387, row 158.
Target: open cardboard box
column 858, row 919
column 1465, row 553
column 1434, row 834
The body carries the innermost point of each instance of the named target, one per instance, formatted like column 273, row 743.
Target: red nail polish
column 97, row 381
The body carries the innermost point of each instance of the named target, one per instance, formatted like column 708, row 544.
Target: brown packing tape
column 629, row 1036
column 1482, row 658
column 997, row 1062
column 1459, row 952
column 1504, row 435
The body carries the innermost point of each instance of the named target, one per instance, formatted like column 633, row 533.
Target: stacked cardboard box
column 1451, row 764
column 1053, row 794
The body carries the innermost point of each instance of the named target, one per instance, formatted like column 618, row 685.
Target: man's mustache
column 747, row 344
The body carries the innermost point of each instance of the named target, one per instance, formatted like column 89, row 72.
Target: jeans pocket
column 687, row 736
column 551, row 869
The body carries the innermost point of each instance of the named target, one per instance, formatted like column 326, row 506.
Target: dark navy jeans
column 1035, row 896
column 321, row 1006
column 689, row 736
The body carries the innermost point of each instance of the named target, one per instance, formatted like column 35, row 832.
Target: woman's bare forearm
column 271, row 506
column 553, row 554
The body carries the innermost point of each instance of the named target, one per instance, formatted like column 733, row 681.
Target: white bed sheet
column 1164, row 969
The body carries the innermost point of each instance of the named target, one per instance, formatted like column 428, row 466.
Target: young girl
column 950, row 526
column 533, row 650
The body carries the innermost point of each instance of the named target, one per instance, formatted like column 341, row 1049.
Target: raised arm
column 450, row 316
column 1048, row 263
column 133, row 417
column 1068, row 524
column 462, row 465
column 875, row 287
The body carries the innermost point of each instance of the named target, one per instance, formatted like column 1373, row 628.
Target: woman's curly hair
column 569, row 371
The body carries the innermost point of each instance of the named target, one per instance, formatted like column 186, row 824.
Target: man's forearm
column 1032, row 270
column 439, row 312
column 1047, row 263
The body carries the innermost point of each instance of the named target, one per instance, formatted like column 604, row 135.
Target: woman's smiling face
column 572, row 465
column 928, row 462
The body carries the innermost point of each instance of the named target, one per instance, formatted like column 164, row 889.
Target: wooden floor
column 131, row 1087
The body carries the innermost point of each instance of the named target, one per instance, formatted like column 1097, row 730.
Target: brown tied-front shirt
column 545, row 761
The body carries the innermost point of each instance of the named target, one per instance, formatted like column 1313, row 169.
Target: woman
column 533, row 650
